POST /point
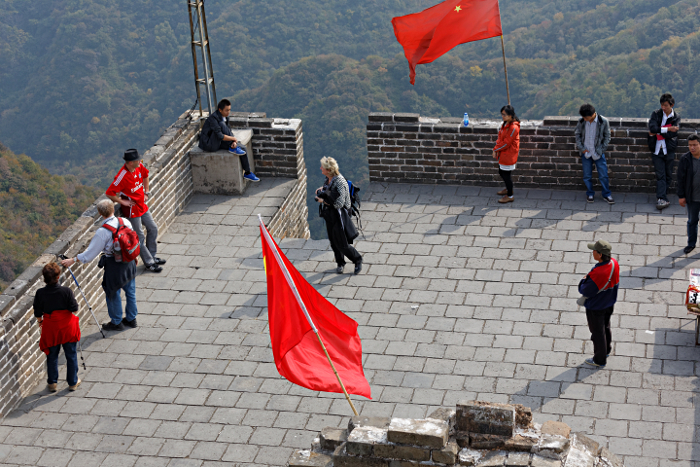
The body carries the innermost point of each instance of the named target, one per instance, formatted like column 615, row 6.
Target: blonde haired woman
column 334, row 197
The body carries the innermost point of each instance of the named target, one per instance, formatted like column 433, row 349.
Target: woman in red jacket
column 506, row 150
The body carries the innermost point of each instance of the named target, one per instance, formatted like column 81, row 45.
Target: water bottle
column 466, row 119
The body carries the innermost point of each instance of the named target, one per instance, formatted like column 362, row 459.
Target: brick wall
column 407, row 148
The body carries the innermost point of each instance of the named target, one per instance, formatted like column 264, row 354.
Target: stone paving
column 460, row 298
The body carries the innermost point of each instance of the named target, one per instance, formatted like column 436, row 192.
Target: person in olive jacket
column 689, row 188
column 664, row 124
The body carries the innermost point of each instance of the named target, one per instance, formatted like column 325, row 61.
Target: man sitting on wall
column 217, row 135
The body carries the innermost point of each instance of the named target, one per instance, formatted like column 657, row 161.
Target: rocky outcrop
column 476, row 434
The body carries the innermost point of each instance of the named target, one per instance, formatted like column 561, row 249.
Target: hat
column 131, row 155
column 601, row 246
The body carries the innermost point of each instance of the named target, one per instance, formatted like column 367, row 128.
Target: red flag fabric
column 297, row 351
column 428, row 35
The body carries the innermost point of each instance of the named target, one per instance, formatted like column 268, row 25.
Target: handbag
column 582, row 300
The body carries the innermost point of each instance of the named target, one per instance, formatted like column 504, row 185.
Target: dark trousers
column 663, row 166
column 244, row 158
column 693, row 217
column 71, row 362
column 339, row 244
column 506, row 176
column 599, row 325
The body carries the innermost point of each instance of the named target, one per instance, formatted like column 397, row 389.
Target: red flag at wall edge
column 428, row 35
column 295, row 309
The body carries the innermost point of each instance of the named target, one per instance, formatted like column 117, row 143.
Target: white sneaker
column 662, row 204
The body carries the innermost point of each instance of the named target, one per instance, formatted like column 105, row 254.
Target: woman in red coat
column 506, row 150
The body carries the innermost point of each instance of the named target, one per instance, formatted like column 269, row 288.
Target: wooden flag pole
column 505, row 67
column 347, row 396
column 293, row 286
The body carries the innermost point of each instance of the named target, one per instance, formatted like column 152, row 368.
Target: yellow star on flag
column 458, row 8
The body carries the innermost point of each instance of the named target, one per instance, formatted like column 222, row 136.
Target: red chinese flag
column 428, row 35
column 297, row 351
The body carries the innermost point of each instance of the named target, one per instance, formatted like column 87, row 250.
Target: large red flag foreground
column 295, row 308
column 428, row 35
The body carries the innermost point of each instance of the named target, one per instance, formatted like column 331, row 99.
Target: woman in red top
column 506, row 150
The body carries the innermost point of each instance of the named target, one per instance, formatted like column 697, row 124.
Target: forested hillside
column 84, row 79
column 35, row 208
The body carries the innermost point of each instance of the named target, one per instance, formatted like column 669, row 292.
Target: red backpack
column 126, row 242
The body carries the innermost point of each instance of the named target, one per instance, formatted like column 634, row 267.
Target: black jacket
column 213, row 131
column 655, row 127
column 685, row 176
column 54, row 297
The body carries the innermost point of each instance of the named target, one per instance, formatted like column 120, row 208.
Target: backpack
column 355, row 204
column 126, row 242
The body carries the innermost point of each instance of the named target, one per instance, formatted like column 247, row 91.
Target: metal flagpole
column 293, row 286
column 503, row 47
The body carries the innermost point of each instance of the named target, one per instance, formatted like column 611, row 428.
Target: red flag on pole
column 428, row 35
column 296, row 311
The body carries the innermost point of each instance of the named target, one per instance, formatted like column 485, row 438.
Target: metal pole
column 207, row 82
column 304, row 310
column 194, row 58
column 86, row 301
column 505, row 67
column 205, row 35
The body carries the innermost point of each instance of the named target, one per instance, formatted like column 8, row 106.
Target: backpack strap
column 114, row 230
column 612, row 271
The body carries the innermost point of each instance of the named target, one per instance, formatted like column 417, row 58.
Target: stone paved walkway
column 460, row 298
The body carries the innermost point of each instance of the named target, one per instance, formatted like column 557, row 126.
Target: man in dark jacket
column 599, row 287
column 689, row 188
column 663, row 141
column 217, row 135
column 592, row 139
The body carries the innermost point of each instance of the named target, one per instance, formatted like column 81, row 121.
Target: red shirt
column 129, row 185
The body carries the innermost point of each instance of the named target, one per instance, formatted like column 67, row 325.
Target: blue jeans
column 693, row 214
column 602, row 167
column 71, row 361
column 114, row 303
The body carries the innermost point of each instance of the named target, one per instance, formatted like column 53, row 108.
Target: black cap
column 131, row 155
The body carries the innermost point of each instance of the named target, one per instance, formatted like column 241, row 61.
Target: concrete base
column 220, row 172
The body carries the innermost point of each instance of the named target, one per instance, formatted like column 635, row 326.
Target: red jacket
column 59, row 327
column 508, row 143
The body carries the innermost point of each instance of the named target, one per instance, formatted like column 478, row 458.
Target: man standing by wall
column 117, row 275
column 592, row 139
column 599, row 290
column 217, row 135
column 663, row 141
column 130, row 189
column 689, row 188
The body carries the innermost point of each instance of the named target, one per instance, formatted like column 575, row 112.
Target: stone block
column 553, row 447
column 582, row 441
column 220, row 172
column 462, row 439
column 519, row 443
column 539, row 461
column 523, row 416
column 518, row 459
column 332, row 437
column 579, row 458
column 612, row 459
column 361, row 440
column 342, row 459
column 469, row 457
column 401, row 452
column 428, row 432
column 486, row 418
column 447, row 455
column 556, row 428
column 446, row 415
column 306, row 458
column 481, row 441
column 377, row 422
column 493, row 459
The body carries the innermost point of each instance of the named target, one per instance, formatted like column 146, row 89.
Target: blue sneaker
column 589, row 361
column 251, row 177
column 237, row 150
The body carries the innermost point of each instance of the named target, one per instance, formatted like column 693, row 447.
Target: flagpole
column 306, row 313
column 505, row 67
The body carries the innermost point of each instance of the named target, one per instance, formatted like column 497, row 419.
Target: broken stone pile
column 477, row 434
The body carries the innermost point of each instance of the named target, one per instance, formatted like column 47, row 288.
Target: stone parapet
column 408, row 148
column 449, row 437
